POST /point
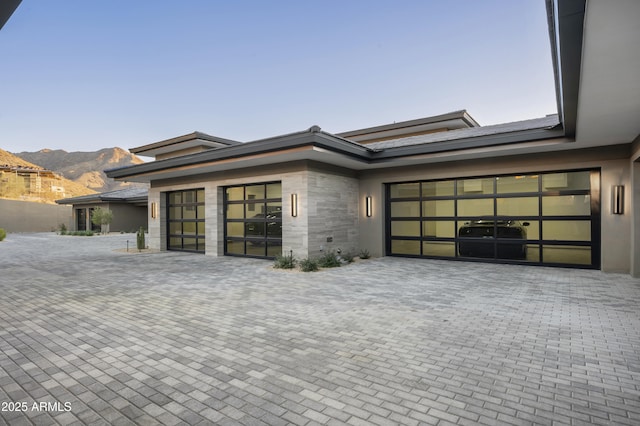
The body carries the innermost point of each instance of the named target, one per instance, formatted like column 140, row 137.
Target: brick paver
column 91, row 335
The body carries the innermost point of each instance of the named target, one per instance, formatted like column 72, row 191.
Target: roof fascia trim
column 181, row 139
column 471, row 143
column 455, row 115
column 341, row 146
column 566, row 30
column 264, row 146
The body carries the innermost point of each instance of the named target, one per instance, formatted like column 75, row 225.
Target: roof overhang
column 182, row 143
column 7, row 7
column 596, row 61
column 443, row 122
column 119, row 196
column 608, row 107
column 315, row 145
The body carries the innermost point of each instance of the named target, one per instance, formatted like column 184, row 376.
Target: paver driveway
column 90, row 335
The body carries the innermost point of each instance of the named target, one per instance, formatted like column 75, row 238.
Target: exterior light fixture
column 294, row 205
column 368, row 206
column 154, row 210
column 617, row 199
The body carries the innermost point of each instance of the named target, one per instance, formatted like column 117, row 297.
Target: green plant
column 62, row 228
column 102, row 217
column 329, row 260
column 285, row 262
column 3, row 234
column 140, row 243
column 347, row 257
column 364, row 254
column 308, row 265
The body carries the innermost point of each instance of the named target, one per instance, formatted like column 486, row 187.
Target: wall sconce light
column 154, row 210
column 294, row 205
column 368, row 206
column 617, row 199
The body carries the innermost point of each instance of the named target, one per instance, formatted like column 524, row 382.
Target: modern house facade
column 128, row 206
column 561, row 190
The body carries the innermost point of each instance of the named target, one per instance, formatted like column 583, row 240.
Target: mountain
column 85, row 168
column 23, row 180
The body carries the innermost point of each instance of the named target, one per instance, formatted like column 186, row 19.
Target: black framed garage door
column 253, row 220
column 534, row 218
column 186, row 220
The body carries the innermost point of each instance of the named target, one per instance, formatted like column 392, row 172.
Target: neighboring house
column 30, row 183
column 129, row 208
column 559, row 190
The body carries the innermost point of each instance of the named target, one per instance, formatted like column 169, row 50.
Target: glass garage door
column 186, row 220
column 253, row 220
column 542, row 218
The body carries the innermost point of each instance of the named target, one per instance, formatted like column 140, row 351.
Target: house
column 560, row 190
column 129, row 208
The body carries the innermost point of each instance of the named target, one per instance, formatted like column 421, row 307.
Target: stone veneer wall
column 157, row 238
column 333, row 212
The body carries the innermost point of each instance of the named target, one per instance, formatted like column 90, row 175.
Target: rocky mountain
column 23, row 180
column 85, row 168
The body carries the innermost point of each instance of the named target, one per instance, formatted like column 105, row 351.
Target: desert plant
column 329, row 260
column 285, row 262
column 79, row 233
column 102, row 217
column 140, row 243
column 364, row 254
column 347, row 257
column 62, row 228
column 3, row 234
column 308, row 265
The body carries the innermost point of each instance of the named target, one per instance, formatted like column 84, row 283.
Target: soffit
column 609, row 95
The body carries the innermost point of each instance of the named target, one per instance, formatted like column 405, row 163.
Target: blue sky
column 84, row 75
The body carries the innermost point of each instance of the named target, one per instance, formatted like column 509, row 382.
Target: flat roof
column 127, row 195
column 191, row 140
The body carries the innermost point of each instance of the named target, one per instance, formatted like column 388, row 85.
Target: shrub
column 102, row 217
column 3, row 234
column 62, row 228
column 308, row 265
column 329, row 260
column 285, row 262
column 140, row 243
column 347, row 257
column 364, row 254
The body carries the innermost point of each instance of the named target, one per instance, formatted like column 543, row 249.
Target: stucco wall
column 127, row 217
column 633, row 207
column 24, row 216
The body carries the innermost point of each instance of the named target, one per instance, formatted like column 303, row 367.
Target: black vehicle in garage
column 272, row 222
column 490, row 238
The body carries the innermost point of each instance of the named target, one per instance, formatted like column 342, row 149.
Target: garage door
column 536, row 218
column 186, row 220
column 253, row 220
